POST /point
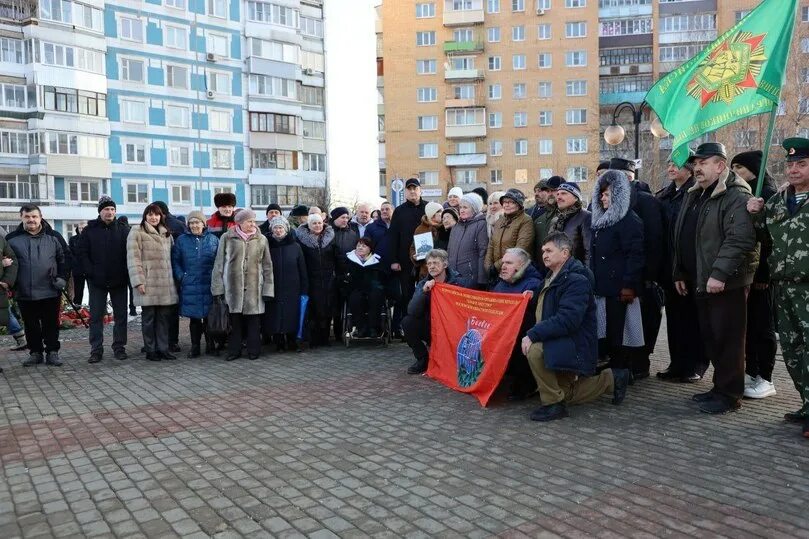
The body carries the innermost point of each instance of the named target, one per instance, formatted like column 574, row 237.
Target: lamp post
column 615, row 134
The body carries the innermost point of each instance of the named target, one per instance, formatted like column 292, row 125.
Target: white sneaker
column 762, row 388
column 749, row 381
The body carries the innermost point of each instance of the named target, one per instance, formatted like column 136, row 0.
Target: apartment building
column 380, row 103
column 494, row 93
column 53, row 115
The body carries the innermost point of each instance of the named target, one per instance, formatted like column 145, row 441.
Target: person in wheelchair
column 364, row 286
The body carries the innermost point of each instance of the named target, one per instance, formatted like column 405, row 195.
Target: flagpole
column 765, row 153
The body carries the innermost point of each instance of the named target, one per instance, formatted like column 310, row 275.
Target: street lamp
column 615, row 134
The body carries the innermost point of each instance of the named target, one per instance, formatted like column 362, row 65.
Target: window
column 456, row 117
column 574, row 88
column 274, row 159
column 273, row 123
column 577, row 145
column 626, row 55
column 745, row 139
column 285, row 195
column 131, row 29
column 424, row 39
column 576, row 174
column 544, row 60
column 576, row 58
column 545, row 147
column 181, row 195
column 493, row 34
column 495, row 92
column 517, row 5
column 428, row 123
column 543, row 4
column 495, row 120
column 11, row 50
column 219, row 82
column 545, row 173
column 518, row 61
column 425, row 10
column 275, row 50
column 804, row 13
column 575, row 3
column 520, row 119
column 688, row 23
column 134, row 153
column 176, row 37
column 15, row 143
column 69, row 12
column 428, row 151
column 311, row 95
column 576, row 116
column 625, row 27
column 518, row 33
column 217, row 44
column 314, row 130
column 492, row 6
column 545, row 118
column 176, row 4
column 137, row 193
column 219, row 120
column 131, row 70
column 221, row 157
column 545, row 89
column 217, row 8
column 429, row 177
column 495, row 148
column 425, row 67
column 273, row 86
column 463, row 91
column 76, row 101
column 463, row 176
column 15, row 96
column 427, row 95
column 495, row 176
column 544, row 31
column 179, row 156
column 632, row 83
column 521, row 146
column 133, row 111
column 177, row 76
column 312, row 27
column 71, row 144
column 576, row 29
column 314, row 162
column 83, row 191
column 494, row 63
column 177, row 116
column 274, row 14
column 88, row 60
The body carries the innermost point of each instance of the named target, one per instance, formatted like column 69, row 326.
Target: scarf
column 242, row 234
column 559, row 220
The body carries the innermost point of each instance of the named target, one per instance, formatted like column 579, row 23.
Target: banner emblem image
column 470, row 355
column 729, row 69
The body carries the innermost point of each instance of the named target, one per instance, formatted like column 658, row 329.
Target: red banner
column 473, row 334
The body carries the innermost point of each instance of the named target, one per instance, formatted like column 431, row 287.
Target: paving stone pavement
column 338, row 442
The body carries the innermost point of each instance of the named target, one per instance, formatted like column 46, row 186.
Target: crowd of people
column 723, row 264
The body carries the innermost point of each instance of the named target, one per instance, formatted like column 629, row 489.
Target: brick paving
column 339, row 442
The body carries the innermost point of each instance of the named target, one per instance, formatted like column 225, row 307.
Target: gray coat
column 242, row 272
column 42, row 272
column 468, row 242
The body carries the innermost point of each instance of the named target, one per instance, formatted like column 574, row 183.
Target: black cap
column 554, row 182
column 797, row 148
column 412, row 182
column 273, row 206
column 603, row 165
column 299, row 211
column 710, row 149
column 619, row 163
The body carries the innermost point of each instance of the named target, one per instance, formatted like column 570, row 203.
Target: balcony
column 463, row 74
column 465, row 131
column 473, row 14
column 466, row 160
column 452, row 47
column 463, row 103
column 613, row 98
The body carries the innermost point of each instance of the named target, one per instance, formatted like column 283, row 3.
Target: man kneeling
column 562, row 348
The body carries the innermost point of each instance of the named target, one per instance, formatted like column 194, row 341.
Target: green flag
column 738, row 75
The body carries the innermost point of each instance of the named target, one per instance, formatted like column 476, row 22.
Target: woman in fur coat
column 320, row 253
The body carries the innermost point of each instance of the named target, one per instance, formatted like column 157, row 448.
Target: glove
column 59, row 283
column 627, row 295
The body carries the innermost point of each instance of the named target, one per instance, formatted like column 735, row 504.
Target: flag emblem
column 728, row 70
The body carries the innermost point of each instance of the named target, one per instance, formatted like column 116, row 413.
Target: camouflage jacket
column 789, row 235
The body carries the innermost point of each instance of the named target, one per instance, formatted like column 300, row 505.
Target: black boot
column 196, row 336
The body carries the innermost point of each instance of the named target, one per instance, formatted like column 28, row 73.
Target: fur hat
column 224, row 199
column 299, row 211
column 338, row 212
column 196, row 214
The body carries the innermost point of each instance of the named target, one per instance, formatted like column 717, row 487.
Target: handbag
column 219, row 318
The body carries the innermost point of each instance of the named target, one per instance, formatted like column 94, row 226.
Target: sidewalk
column 339, row 442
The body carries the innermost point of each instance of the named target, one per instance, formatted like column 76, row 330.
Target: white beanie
column 432, row 208
column 457, row 191
column 473, row 200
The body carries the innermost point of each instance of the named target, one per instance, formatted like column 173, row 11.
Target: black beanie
column 273, row 206
column 338, row 211
column 749, row 160
column 105, row 202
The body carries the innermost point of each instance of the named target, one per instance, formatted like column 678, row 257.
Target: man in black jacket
column 102, row 254
column 650, row 211
column 76, row 272
column 406, row 218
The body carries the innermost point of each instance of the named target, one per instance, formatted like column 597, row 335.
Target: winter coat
column 671, row 200
column 468, row 242
column 192, row 260
column 73, row 245
column 379, row 233
column 542, row 229
column 420, row 266
column 567, row 329
column 577, row 227
column 101, row 254
column 148, row 257
column 405, row 219
column 616, row 248
column 242, row 272
column 176, row 227
column 218, row 225
column 320, row 255
column 43, row 269
column 768, row 190
column 527, row 278
column 363, row 276
column 535, row 211
column 291, row 282
column 419, row 306
column 7, row 275
column 726, row 239
column 786, row 235
column 515, row 230
column 345, row 241
column 650, row 211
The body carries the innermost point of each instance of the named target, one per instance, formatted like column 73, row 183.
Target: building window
column 517, row 5
column 520, row 119
column 83, row 191
column 181, row 195
column 131, row 29
column 315, row 130
column 576, row 116
column 11, row 50
column 219, row 120
column 312, row 27
column 576, row 88
column 745, row 139
column 492, row 6
column 314, row 162
column 577, row 174
column 577, row 145
column 137, row 193
column 179, row 156
column 632, row 83
column 745, row 12
column 544, row 31
column 15, row 143
column 134, row 153
column 274, row 86
column 131, row 70
column 521, row 146
column 176, row 4
column 495, row 148
column 217, row 8
column 274, row 159
column 176, row 37
column 688, row 23
column 626, row 55
column 425, row 39
column 493, row 34
column 495, row 92
column 543, row 5
column 680, row 53
column 461, row 117
column 519, row 90
column 133, row 111
column 495, row 176
column 311, row 95
column 221, row 158
column 576, row 29
column 518, row 62
column 177, row 76
column 273, row 123
column 575, row 3
column 544, row 60
column 425, row 67
column 428, row 151
column 545, row 147
column 494, row 63
column 76, row 101
column 576, row 58
column 71, row 144
column 274, row 50
column 429, row 177
column 217, row 44
column 625, row 27
column 177, row 116
column 545, row 118
column 545, row 89
column 463, row 91
column 495, row 120
column 425, row 10
column 518, row 33
column 428, row 123
column 427, row 95
column 219, row 82
column 466, row 176
column 273, row 14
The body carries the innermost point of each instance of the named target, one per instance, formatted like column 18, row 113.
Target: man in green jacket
column 715, row 258
column 784, row 221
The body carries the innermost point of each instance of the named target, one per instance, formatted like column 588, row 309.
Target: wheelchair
column 351, row 333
